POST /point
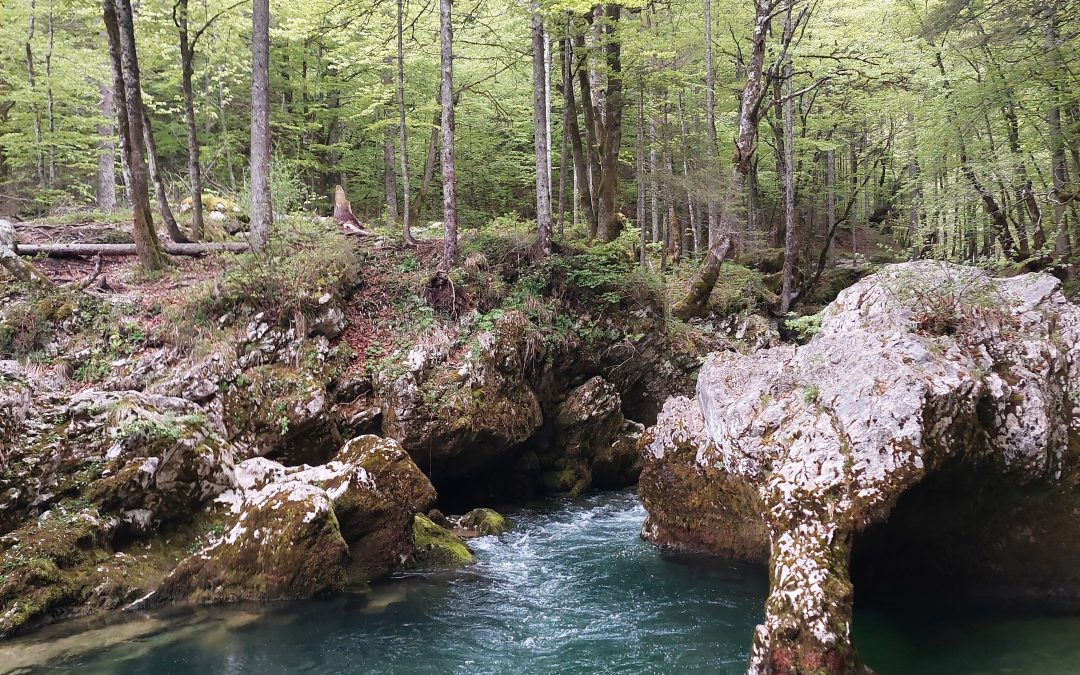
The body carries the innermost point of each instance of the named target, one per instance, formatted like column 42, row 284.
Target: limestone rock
column 304, row 531
column 453, row 421
column 790, row 453
column 284, row 544
column 593, row 444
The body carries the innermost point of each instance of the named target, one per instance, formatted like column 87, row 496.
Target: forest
column 755, row 319
column 946, row 130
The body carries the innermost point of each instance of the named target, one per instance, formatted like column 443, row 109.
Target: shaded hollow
column 970, row 533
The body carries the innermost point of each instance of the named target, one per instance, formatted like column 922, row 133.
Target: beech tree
column 446, row 99
column 262, row 217
column 540, row 135
column 119, row 28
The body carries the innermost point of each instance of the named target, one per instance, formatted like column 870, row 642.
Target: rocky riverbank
column 277, row 427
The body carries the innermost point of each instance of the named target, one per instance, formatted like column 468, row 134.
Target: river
column 572, row 589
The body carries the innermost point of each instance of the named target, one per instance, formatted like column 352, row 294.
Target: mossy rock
column 284, row 545
column 570, row 480
column 738, row 289
column 765, row 260
column 484, row 522
column 437, row 546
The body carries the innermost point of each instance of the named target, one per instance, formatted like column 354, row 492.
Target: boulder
column 926, row 374
column 478, row 523
column 593, row 445
column 304, row 531
column 437, row 546
column 455, row 420
column 284, row 544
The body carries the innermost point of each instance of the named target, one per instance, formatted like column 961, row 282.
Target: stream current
column 572, row 589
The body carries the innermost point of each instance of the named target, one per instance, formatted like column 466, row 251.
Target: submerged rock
column 437, row 546
column 789, row 454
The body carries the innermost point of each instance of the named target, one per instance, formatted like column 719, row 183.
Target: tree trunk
column 830, row 206
column 690, row 232
column 188, row 249
column 226, row 138
column 160, row 195
column 403, row 133
column 571, row 129
column 639, row 169
column 710, row 121
column 262, row 215
column 49, row 103
column 1058, row 168
column 696, row 300
column 540, row 135
column 10, row 260
column 591, row 149
column 654, row 184
column 39, row 164
column 119, row 25
column 390, row 175
column 106, row 183
column 187, row 70
column 429, row 168
column 446, row 60
column 787, row 178
column 564, row 151
column 608, row 223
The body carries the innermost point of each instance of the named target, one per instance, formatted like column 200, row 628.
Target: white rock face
column 920, row 363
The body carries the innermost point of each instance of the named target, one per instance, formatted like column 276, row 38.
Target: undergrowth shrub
column 504, row 241
column 606, row 274
column 302, row 261
column 956, row 302
column 31, row 318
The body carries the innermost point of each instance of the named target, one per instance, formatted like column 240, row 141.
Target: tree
column 787, row 176
column 540, row 135
column 188, row 43
column 609, row 125
column 710, row 118
column 745, row 139
column 446, row 98
column 262, row 217
column 403, row 131
column 119, row 27
column 160, row 192
column 106, row 183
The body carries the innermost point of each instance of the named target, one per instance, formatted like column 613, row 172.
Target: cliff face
column 925, row 374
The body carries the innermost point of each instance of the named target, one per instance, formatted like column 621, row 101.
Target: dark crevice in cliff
column 969, row 533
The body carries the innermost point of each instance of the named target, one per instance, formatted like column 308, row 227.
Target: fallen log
column 61, row 250
column 10, row 261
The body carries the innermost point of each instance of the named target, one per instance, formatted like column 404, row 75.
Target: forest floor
column 386, row 308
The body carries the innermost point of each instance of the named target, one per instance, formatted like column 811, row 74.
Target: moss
column 738, row 289
column 572, row 480
column 485, row 522
column 437, row 546
column 765, row 260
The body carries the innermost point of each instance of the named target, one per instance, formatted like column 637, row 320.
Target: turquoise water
column 571, row 590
